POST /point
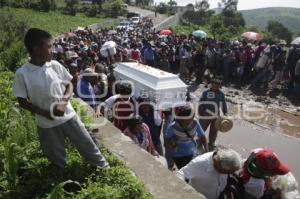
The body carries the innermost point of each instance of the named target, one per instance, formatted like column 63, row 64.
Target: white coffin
column 166, row 90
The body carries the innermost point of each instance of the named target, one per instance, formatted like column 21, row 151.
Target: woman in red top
column 140, row 134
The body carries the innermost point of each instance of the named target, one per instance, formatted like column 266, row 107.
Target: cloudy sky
column 249, row 4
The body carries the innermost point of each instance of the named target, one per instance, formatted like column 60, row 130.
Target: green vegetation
column 13, row 25
column 26, row 173
column 278, row 30
column 54, row 22
column 226, row 23
column 290, row 17
column 223, row 26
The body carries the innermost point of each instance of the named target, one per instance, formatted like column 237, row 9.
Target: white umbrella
column 296, row 41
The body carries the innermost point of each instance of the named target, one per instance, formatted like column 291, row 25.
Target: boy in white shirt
column 43, row 87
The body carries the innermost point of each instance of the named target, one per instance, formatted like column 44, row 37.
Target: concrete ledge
column 157, row 179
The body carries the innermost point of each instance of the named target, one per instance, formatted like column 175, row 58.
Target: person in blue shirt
column 209, row 110
column 185, row 137
column 149, row 55
column 85, row 89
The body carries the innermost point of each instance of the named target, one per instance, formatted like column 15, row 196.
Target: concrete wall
column 97, row 26
column 157, row 179
column 105, row 24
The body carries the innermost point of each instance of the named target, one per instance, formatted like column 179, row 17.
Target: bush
column 162, row 8
column 71, row 7
column 47, row 5
column 13, row 57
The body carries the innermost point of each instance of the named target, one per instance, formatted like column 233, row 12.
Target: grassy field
column 54, row 22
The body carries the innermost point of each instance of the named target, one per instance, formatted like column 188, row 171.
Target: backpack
column 234, row 187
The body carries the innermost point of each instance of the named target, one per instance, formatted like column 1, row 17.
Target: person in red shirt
column 139, row 132
column 135, row 53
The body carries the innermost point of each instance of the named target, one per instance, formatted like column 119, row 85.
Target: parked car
column 135, row 20
column 133, row 14
column 124, row 25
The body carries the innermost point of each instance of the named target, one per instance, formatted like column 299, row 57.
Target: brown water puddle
column 272, row 118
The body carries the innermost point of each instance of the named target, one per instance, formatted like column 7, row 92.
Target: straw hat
column 223, row 124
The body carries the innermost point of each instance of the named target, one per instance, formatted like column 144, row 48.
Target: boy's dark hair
column 125, row 89
column 185, row 111
column 34, row 37
column 134, row 120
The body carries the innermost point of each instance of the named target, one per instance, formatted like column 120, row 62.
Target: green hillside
column 290, row 17
column 54, row 22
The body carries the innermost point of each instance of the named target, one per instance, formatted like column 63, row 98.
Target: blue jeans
column 53, row 143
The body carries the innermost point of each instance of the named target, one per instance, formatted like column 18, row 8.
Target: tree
column 71, row 7
column 47, row 5
column 202, row 5
column 279, row 31
column 216, row 26
column 230, row 15
column 162, row 8
column 12, row 31
column 99, row 3
column 228, row 5
column 117, row 7
column 171, row 5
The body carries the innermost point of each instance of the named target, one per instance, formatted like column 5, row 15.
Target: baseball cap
column 268, row 161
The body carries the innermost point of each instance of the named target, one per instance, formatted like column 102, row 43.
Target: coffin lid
column 151, row 77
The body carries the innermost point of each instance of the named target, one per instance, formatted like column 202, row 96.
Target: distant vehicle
column 135, row 20
column 133, row 14
column 124, row 25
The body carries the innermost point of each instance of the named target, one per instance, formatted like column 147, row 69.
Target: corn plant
column 11, row 165
column 58, row 191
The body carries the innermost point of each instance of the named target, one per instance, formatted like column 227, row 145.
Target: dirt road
column 276, row 129
column 148, row 13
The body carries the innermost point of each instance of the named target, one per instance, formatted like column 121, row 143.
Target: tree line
column 225, row 21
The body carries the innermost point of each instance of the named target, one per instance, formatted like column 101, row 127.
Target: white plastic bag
column 287, row 184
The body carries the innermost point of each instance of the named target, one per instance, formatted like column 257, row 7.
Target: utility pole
column 155, row 10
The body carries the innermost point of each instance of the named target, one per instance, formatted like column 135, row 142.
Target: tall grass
column 54, row 21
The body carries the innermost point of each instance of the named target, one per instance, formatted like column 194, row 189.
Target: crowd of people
column 252, row 63
column 199, row 162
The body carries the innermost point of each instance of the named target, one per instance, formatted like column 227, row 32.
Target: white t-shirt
column 203, row 176
column 44, row 87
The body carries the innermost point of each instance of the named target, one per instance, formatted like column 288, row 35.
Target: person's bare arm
column 60, row 108
column 25, row 104
column 202, row 142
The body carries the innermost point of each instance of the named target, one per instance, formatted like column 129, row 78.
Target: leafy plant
column 58, row 191
column 11, row 166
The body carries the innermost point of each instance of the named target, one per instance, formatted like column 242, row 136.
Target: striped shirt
column 185, row 145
